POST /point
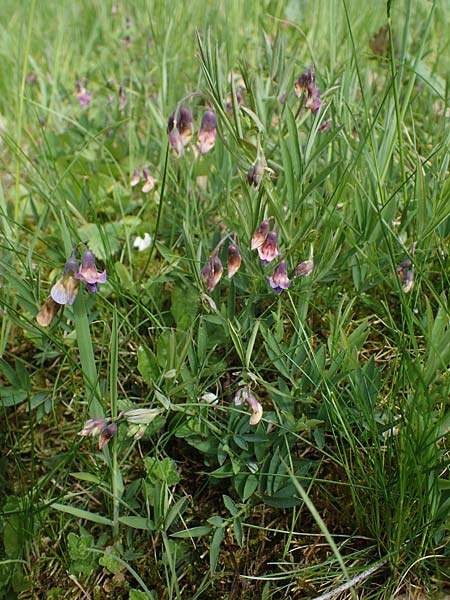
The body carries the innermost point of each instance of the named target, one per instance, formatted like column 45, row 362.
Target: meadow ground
column 224, row 263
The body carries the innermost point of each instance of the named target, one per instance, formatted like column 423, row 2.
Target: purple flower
column 207, row 133
column 88, row 272
column 268, row 251
column 280, row 280
column 260, row 235
column 234, row 260
column 82, row 94
column 180, row 129
column 186, row 125
column 65, row 289
column 305, row 268
column 212, row 272
column 305, row 81
column 306, row 84
column 106, row 434
column 93, row 427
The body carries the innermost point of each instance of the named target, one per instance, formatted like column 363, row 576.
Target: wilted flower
column 268, row 251
column 313, row 101
column 186, row 125
column 239, row 98
column 47, row 313
column 212, row 272
column 149, row 181
column 65, row 289
column 180, row 130
column 306, row 84
column 305, row 81
column 82, row 94
column 260, row 235
column 207, row 133
column 123, row 99
column 234, row 259
column 325, row 125
column 93, row 427
column 245, row 395
column 305, row 268
column 175, row 139
column 142, row 243
column 408, row 280
column 255, row 173
column 136, row 178
column 405, row 271
column 88, row 272
column 280, row 280
column 106, row 434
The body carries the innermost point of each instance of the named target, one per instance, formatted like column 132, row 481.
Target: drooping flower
column 175, row 139
column 106, row 434
column 93, row 427
column 122, row 98
column 268, row 251
column 142, row 244
column 408, row 282
column 260, row 235
column 305, row 268
column 280, row 280
column 212, row 272
column 149, row 181
column 306, row 84
column 47, row 313
column 136, row 178
column 83, row 96
column 244, row 394
column 186, row 125
column 255, row 173
column 234, row 260
column 88, row 272
column 65, row 289
column 207, row 133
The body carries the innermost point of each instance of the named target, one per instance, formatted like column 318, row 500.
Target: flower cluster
column 101, row 428
column 244, row 394
column 66, row 288
column 213, row 269
column 266, row 243
column 137, row 420
column 180, row 129
column 149, row 181
column 306, row 85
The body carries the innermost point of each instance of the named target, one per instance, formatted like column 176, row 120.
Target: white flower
column 209, row 397
column 142, row 243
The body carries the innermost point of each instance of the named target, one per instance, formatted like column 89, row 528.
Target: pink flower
column 207, row 133
column 280, row 280
column 305, row 268
column 88, row 272
column 268, row 251
column 212, row 272
column 234, row 260
column 82, row 94
column 245, row 395
column 149, row 181
column 260, row 235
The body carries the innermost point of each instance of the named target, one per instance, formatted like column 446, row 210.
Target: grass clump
column 224, row 263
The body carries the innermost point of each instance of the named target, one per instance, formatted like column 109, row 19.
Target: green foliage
column 349, row 365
